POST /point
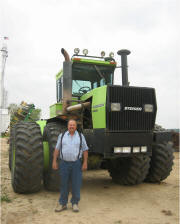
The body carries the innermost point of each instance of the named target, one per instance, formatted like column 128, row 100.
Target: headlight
column 126, row 149
column 111, row 54
column 76, row 50
column 136, row 149
column 85, row 51
column 117, row 149
column 148, row 108
column 103, row 53
column 143, row 148
column 115, row 106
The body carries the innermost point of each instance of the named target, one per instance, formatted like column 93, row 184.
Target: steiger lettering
column 133, row 108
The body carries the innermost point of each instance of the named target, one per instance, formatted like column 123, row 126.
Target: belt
column 70, row 160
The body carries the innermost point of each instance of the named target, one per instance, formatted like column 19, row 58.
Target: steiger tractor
column 118, row 122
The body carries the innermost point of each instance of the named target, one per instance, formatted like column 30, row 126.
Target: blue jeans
column 70, row 173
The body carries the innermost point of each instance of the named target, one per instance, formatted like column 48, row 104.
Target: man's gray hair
column 72, row 120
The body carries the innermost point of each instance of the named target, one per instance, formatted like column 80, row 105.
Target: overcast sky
column 38, row 29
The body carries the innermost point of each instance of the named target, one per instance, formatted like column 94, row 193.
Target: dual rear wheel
column 26, row 157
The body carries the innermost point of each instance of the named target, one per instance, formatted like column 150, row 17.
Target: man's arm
column 55, row 156
column 85, row 159
column 85, row 153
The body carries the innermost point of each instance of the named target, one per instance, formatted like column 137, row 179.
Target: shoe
column 75, row 208
column 60, row 208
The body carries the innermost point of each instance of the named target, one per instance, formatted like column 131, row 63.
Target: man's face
column 72, row 126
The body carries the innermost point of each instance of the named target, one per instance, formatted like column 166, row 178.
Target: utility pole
column 4, row 115
column 4, row 55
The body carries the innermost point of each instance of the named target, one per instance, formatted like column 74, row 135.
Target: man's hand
column 55, row 165
column 84, row 166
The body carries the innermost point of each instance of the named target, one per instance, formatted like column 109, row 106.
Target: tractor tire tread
column 161, row 163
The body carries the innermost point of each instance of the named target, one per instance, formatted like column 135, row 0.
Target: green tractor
column 118, row 122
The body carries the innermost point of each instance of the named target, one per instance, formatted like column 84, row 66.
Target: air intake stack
column 124, row 66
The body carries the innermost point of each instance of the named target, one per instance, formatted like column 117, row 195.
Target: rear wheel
column 161, row 162
column 129, row 171
column 52, row 177
column 27, row 158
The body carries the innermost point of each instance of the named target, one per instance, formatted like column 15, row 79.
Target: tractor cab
column 90, row 72
column 87, row 73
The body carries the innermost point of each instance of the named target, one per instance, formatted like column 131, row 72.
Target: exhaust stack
column 124, row 66
column 67, row 80
column 65, row 54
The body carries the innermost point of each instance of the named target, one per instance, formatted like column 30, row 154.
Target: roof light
column 76, row 59
column 103, row 53
column 112, row 63
column 85, row 52
column 76, row 50
column 111, row 54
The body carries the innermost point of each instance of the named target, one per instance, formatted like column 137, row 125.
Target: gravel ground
column 101, row 201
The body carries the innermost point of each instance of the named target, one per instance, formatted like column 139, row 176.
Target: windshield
column 86, row 77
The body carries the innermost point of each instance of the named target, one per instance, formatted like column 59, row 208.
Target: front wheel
column 161, row 162
column 129, row 171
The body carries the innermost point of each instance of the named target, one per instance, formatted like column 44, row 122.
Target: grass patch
column 4, row 136
column 5, row 198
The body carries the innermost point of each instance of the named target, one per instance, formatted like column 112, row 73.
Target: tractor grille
column 130, row 120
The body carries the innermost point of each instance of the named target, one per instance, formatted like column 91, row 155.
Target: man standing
column 70, row 147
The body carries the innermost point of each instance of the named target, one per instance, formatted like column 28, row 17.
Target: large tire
column 11, row 142
column 129, row 171
column 27, row 158
column 161, row 162
column 51, row 133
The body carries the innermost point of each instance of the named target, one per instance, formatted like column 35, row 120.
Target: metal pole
column 4, row 54
column 124, row 66
column 4, row 116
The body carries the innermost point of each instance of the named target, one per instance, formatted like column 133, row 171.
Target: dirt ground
column 101, row 201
